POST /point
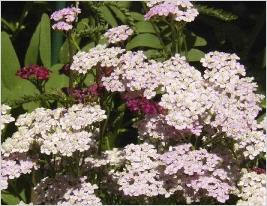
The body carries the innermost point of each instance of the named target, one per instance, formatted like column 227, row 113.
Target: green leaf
column 200, row 41
column 9, row 199
column 217, row 13
column 144, row 27
column 137, row 16
column 32, row 53
column 10, row 63
column 45, row 41
column 194, row 55
column 88, row 46
column 263, row 103
column 108, row 16
column 56, row 80
column 125, row 4
column 64, row 53
column 118, row 14
column 144, row 40
column 13, row 87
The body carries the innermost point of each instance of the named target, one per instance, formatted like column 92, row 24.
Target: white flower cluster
column 140, row 176
column 59, row 131
column 185, row 97
column 252, row 189
column 82, row 194
column 234, row 101
column 110, row 157
column 233, row 98
column 5, row 117
column 65, row 190
column 253, row 143
column 180, row 10
column 14, row 166
column 198, row 170
column 118, row 34
column 156, row 127
column 105, row 57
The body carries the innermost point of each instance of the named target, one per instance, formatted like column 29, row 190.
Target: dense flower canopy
column 197, row 127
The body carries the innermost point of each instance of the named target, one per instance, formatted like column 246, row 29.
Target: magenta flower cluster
column 142, row 104
column 34, row 72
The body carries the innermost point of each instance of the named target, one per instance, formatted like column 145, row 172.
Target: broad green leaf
column 24, row 87
column 10, row 63
column 108, row 16
column 56, row 80
column 32, row 53
column 125, row 4
column 45, row 40
column 89, row 79
column 152, row 53
column 64, row 53
column 137, row 16
column 9, row 199
column 118, row 14
column 144, row 40
column 29, row 107
column 88, row 46
column 144, row 27
column 194, row 55
column 200, row 41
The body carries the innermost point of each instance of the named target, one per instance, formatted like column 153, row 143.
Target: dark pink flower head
column 95, row 89
column 81, row 94
column 34, row 71
column 141, row 104
column 259, row 170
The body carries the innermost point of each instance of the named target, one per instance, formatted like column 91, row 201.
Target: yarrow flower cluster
column 179, row 10
column 105, row 57
column 199, row 170
column 195, row 129
column 118, row 34
column 59, row 131
column 5, row 117
column 34, row 72
column 64, row 18
column 252, row 188
column 140, row 177
column 14, row 166
column 65, row 190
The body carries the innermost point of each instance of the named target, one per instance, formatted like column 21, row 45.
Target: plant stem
column 71, row 75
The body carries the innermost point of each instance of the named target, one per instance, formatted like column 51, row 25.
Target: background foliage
column 27, row 38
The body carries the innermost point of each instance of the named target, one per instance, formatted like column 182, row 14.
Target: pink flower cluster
column 179, row 10
column 118, row 34
column 141, row 104
column 65, row 190
column 14, row 166
column 64, row 18
column 34, row 71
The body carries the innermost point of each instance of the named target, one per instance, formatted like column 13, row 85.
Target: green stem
column 71, row 75
column 161, row 41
